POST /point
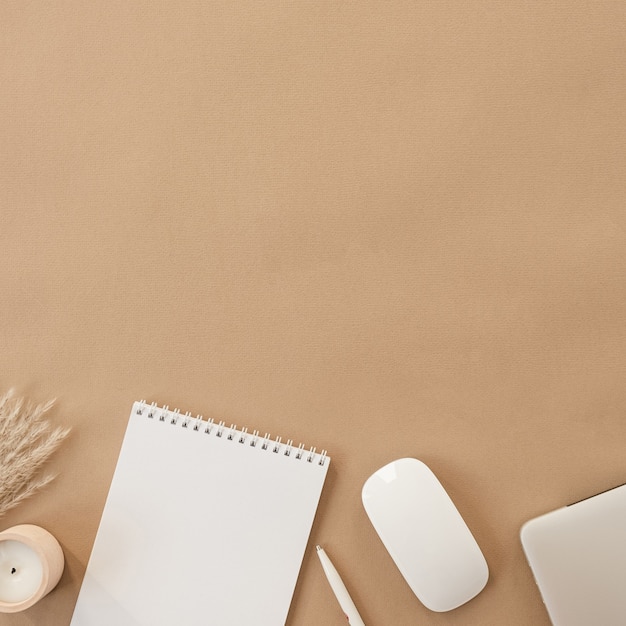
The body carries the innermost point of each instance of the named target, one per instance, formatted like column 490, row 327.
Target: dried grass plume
column 26, row 442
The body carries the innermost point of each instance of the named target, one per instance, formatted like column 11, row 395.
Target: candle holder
column 39, row 544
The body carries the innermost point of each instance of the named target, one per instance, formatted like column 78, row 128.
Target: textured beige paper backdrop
column 382, row 228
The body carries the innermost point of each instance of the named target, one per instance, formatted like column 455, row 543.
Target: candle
column 31, row 564
column 21, row 571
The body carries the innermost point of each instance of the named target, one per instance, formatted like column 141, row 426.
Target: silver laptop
column 578, row 557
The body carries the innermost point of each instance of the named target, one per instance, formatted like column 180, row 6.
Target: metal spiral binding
column 265, row 444
column 242, row 435
column 288, row 447
column 210, row 427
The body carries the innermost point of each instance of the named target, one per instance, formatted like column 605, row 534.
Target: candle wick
column 13, row 570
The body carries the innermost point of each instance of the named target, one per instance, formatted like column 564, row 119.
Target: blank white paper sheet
column 204, row 524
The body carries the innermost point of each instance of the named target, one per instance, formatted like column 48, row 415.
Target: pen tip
column 318, row 548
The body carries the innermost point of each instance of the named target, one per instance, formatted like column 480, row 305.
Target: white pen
column 339, row 589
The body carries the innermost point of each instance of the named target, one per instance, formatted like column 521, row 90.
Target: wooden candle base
column 51, row 555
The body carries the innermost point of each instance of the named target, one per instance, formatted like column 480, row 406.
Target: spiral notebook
column 204, row 524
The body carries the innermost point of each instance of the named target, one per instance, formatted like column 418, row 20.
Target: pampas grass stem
column 27, row 441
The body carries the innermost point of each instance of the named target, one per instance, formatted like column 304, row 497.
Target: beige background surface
column 386, row 229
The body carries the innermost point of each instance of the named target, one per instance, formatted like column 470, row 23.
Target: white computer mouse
column 425, row 534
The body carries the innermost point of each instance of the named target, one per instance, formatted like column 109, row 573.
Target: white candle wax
column 21, row 571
